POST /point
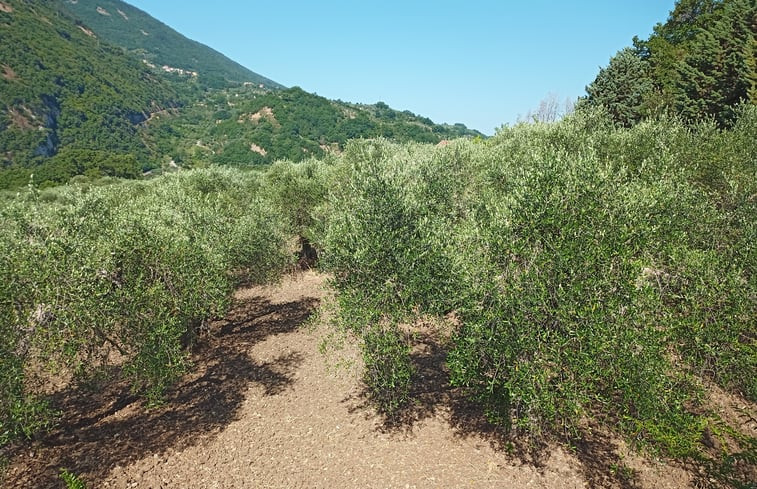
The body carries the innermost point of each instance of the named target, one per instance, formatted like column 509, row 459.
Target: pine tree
column 715, row 74
column 700, row 64
column 623, row 88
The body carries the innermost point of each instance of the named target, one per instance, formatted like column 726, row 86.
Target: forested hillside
column 149, row 39
column 701, row 63
column 247, row 126
column 71, row 103
column 77, row 105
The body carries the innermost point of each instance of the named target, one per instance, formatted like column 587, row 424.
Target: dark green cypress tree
column 715, row 75
column 623, row 88
column 700, row 64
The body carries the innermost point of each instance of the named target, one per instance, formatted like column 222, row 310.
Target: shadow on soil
column 104, row 429
column 601, row 466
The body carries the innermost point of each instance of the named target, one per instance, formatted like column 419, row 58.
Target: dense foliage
column 701, row 63
column 247, row 126
column 148, row 39
column 589, row 274
column 67, row 98
column 595, row 273
column 124, row 274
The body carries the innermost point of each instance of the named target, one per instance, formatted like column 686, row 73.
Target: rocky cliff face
column 51, row 109
column 49, row 147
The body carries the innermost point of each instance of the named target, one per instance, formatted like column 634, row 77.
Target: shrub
column 388, row 371
column 71, row 480
column 597, row 272
column 127, row 273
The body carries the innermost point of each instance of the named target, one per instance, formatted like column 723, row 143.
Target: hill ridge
column 150, row 39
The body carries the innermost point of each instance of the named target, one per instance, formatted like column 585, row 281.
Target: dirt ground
column 275, row 401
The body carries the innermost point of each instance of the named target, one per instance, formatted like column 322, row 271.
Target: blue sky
column 483, row 62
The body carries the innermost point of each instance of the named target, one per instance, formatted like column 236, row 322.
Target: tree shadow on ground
column 432, row 395
column 102, row 429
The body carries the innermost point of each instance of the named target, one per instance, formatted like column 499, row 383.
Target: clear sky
column 482, row 62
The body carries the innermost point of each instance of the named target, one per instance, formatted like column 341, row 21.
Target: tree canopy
column 699, row 64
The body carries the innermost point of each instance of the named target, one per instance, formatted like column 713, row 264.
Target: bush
column 129, row 273
column 388, row 371
column 297, row 193
column 597, row 272
column 71, row 480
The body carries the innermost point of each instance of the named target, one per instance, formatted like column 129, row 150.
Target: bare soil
column 87, row 31
column 8, row 72
column 275, row 401
column 19, row 120
column 264, row 113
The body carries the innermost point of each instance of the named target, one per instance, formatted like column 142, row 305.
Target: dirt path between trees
column 267, row 408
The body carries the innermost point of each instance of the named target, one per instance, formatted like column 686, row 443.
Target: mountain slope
column 73, row 104
column 67, row 100
column 248, row 126
column 147, row 38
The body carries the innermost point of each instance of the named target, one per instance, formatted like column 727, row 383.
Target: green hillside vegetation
column 76, row 105
column 579, row 275
column 247, row 126
column 71, row 104
column 596, row 274
column 148, row 39
column 701, row 63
